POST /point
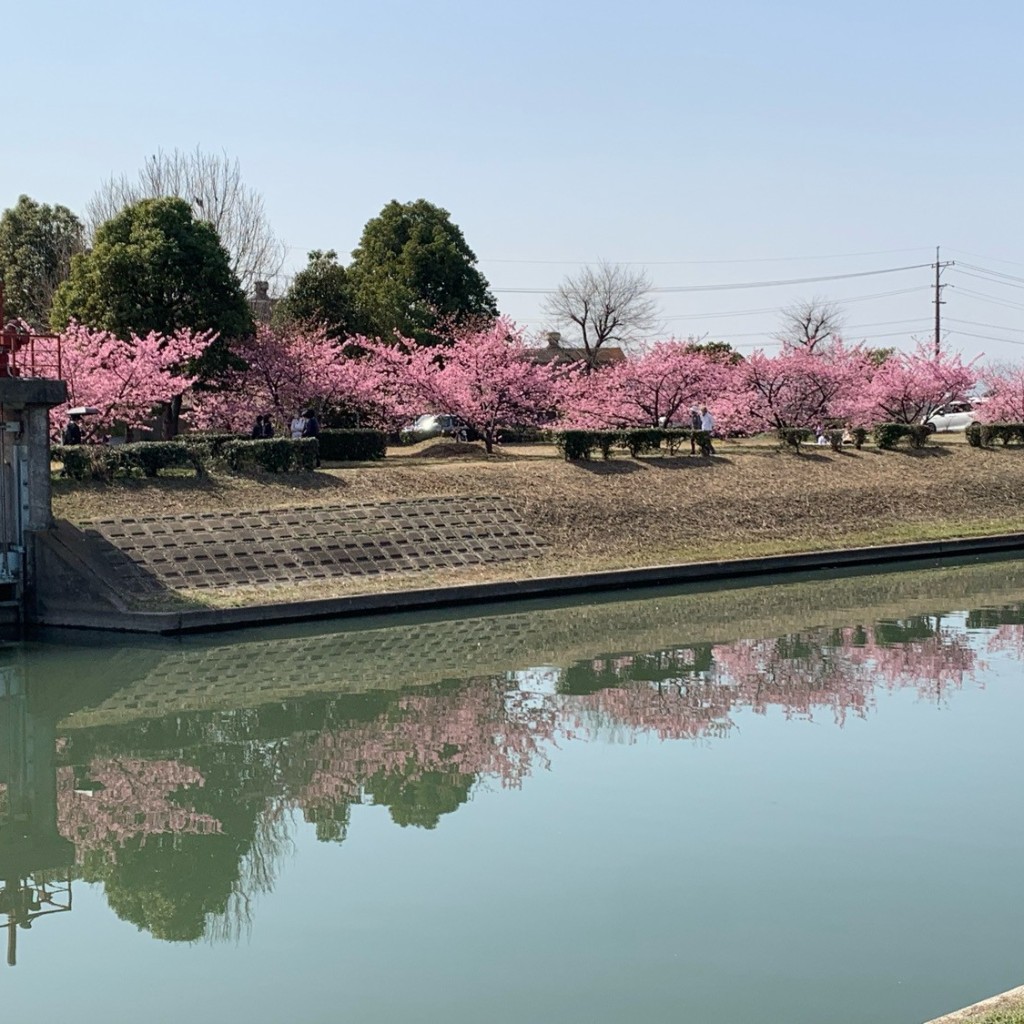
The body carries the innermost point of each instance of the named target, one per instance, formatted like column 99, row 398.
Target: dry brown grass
column 750, row 499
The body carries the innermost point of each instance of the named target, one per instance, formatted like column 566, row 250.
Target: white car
column 954, row 416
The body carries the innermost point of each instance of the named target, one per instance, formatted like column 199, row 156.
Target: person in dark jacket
column 312, row 429
column 694, row 427
column 312, row 425
column 73, row 431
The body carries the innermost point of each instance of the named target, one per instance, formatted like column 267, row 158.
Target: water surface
column 792, row 802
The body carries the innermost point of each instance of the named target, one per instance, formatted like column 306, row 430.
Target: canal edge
column 171, row 623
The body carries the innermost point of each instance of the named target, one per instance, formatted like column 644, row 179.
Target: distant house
column 261, row 303
column 555, row 352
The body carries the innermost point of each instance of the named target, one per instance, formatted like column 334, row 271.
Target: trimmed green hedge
column 580, row 445
column 981, row 435
column 211, row 445
column 272, row 455
column 105, row 462
column 152, row 456
column 888, row 434
column 524, row 435
column 337, row 445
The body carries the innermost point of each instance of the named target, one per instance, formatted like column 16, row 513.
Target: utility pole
column 938, row 267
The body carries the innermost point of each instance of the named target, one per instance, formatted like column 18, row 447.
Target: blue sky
column 712, row 143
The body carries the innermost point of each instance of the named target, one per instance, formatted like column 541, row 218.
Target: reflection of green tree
column 587, row 677
column 990, row 618
column 169, row 885
column 415, row 797
column 331, row 822
column 904, row 631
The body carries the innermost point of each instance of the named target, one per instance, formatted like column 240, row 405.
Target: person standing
column 73, row 431
column 257, row 429
column 694, row 427
column 707, row 424
column 298, row 426
column 312, row 429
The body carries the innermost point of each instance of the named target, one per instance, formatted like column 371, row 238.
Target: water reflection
column 174, row 776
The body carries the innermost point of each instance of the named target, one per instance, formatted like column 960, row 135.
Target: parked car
column 435, row 425
column 953, row 416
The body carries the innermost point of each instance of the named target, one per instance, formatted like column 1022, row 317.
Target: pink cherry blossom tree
column 661, row 384
column 487, row 379
column 124, row 379
column 908, row 386
column 800, row 387
column 286, row 369
column 1004, row 385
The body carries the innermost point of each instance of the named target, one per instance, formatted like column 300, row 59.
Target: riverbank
column 750, row 500
column 1007, row 1008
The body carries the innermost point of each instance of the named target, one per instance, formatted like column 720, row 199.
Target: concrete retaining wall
column 73, row 593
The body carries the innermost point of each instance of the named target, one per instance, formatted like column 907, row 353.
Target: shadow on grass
column 188, row 484
column 613, row 467
column 685, row 462
column 927, row 452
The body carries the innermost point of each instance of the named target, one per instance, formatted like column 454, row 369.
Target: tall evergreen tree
column 413, row 274
column 37, row 243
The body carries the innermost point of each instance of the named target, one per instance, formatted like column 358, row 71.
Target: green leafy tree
column 413, row 274
column 154, row 267
column 319, row 296
column 37, row 243
column 720, row 350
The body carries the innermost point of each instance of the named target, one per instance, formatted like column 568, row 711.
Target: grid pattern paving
column 147, row 554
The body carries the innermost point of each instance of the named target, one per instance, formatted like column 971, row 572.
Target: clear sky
column 712, row 143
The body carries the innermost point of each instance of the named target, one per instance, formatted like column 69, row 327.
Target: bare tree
column 806, row 324
column 606, row 303
column 212, row 185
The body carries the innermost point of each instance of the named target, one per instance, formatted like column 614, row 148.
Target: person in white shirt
column 298, row 426
column 707, row 422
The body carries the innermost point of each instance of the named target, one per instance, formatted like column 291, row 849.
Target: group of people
column 263, row 427
column 303, row 424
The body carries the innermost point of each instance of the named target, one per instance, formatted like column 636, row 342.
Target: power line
column 707, row 263
column 744, row 284
column 991, row 298
column 990, row 279
column 994, row 259
column 987, row 337
column 773, row 342
column 994, row 273
column 851, row 327
column 975, row 323
column 779, row 309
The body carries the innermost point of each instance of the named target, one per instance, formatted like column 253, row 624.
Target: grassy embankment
column 750, row 499
column 1005, row 1009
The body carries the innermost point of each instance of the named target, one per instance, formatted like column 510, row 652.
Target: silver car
column 435, row 425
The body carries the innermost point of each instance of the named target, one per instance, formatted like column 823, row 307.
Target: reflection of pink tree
column 131, row 800
column 1008, row 638
column 481, row 729
column 796, row 674
column 678, row 709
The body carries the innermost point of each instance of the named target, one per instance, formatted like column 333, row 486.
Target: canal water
column 794, row 802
